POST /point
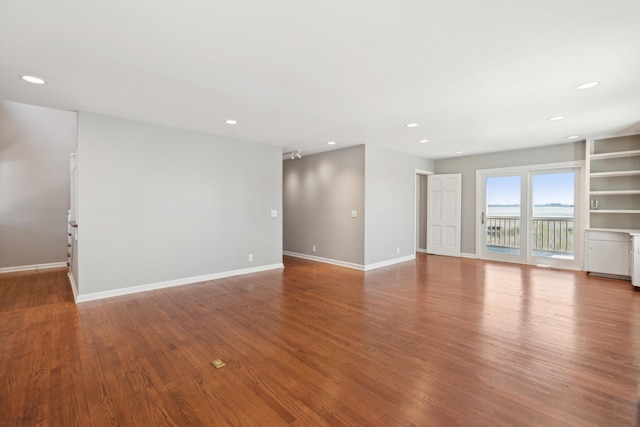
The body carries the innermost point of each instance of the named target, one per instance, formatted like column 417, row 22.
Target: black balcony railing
column 547, row 234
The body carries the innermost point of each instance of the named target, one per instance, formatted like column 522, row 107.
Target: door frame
column 527, row 171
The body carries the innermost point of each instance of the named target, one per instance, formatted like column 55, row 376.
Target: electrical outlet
column 313, row 248
column 250, row 257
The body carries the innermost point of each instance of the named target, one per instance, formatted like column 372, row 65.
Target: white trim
column 32, row 267
column 528, row 168
column 170, row 283
column 74, row 286
column 351, row 265
column 466, row 255
column 422, row 251
column 325, row 260
column 389, row 262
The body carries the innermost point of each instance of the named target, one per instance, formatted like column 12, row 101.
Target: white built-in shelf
column 614, row 173
column 614, row 211
column 615, row 154
column 614, row 192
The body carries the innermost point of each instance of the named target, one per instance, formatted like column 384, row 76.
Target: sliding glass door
column 503, row 217
column 529, row 216
column 553, row 232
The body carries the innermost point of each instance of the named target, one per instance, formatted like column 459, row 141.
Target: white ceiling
column 477, row 76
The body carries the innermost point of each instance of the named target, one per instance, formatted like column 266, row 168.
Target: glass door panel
column 553, row 219
column 503, row 217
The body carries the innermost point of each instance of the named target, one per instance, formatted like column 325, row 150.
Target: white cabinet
column 613, row 213
column 608, row 252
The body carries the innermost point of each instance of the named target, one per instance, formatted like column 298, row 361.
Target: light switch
column 274, row 213
column 354, row 214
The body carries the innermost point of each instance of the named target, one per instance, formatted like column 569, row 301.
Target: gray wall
column 320, row 191
column 35, row 144
column 468, row 166
column 390, row 180
column 158, row 204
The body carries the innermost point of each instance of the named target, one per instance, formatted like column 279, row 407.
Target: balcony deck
column 552, row 237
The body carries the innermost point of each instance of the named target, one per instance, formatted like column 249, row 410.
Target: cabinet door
column 608, row 257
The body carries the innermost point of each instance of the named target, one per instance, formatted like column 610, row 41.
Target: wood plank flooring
column 436, row 342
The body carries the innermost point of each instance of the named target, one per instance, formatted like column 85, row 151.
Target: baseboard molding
column 367, row 267
column 171, row 283
column 325, row 260
column 464, row 255
column 32, row 267
column 422, row 251
column 74, row 286
column 389, row 262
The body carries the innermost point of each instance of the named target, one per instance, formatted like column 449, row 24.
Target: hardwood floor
column 440, row 341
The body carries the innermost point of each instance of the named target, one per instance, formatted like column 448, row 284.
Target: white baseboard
column 354, row 266
column 464, row 255
column 74, row 286
column 422, row 251
column 389, row 262
column 325, row 260
column 32, row 267
column 170, row 283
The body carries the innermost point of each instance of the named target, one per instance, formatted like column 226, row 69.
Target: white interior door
column 444, row 212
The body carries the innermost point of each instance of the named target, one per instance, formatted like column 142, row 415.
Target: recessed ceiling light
column 331, row 143
column 231, row 122
column 588, row 85
column 33, row 79
column 412, row 125
column 573, row 137
column 554, row 118
column 423, row 141
column 458, row 152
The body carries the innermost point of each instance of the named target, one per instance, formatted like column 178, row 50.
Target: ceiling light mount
column 556, row 118
column 412, row 125
column 292, row 155
column 231, row 122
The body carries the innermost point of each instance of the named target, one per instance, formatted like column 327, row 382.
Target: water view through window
column 551, row 227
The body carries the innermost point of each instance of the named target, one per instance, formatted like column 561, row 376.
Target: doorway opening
column 420, row 217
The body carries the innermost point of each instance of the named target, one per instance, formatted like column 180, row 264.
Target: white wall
column 390, row 180
column 159, row 204
column 35, row 144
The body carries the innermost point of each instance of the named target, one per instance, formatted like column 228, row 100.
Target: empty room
column 319, row 213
